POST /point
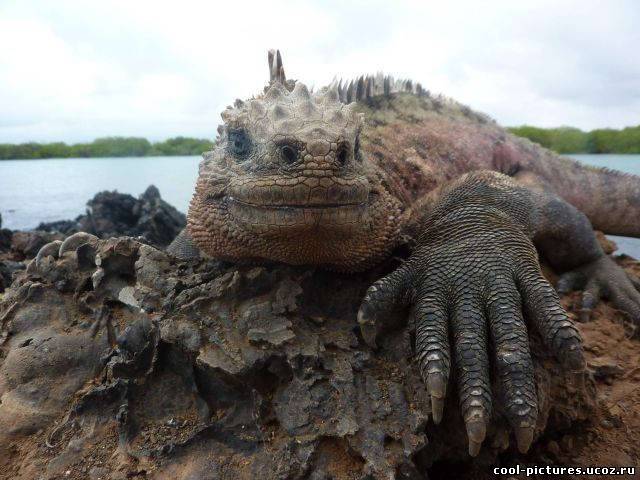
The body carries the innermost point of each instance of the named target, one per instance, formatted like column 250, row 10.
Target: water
column 34, row 191
column 624, row 163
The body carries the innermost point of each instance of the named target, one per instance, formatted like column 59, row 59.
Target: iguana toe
column 432, row 350
column 542, row 307
column 603, row 279
column 383, row 300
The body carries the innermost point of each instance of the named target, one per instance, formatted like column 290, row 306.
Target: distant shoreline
column 575, row 141
column 564, row 140
column 106, row 147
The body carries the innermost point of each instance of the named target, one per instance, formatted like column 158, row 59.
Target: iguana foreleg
column 475, row 276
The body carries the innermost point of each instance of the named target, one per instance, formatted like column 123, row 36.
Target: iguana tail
column 609, row 198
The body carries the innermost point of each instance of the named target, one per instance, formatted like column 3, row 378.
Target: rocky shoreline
column 118, row 361
column 108, row 214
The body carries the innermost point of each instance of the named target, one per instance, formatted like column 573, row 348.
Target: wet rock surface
column 117, row 361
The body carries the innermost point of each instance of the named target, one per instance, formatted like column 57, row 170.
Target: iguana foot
column 603, row 279
column 471, row 291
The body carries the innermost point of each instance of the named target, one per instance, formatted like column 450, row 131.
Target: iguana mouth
column 275, row 220
column 299, row 201
column 313, row 206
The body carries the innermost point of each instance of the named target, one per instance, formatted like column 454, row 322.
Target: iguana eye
column 356, row 149
column 239, row 143
column 342, row 155
column 288, row 153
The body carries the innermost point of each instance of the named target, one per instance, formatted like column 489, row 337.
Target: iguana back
column 423, row 141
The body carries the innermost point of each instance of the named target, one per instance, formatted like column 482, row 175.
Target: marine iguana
column 338, row 178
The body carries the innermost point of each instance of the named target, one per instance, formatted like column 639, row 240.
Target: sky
column 74, row 70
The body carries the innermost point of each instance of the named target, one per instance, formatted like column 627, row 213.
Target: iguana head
column 287, row 181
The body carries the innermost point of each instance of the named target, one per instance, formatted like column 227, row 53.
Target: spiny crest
column 365, row 88
column 362, row 88
column 281, row 110
column 369, row 86
column 276, row 69
column 286, row 104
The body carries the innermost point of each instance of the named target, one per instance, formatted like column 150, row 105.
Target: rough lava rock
column 109, row 214
column 17, row 247
column 117, row 361
column 112, row 214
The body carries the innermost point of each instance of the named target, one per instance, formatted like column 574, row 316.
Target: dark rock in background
column 16, row 247
column 5, row 237
column 112, row 214
column 7, row 269
column 25, row 245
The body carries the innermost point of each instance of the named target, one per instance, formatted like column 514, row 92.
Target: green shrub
column 573, row 140
column 106, row 147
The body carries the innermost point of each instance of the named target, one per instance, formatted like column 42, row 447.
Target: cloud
column 73, row 70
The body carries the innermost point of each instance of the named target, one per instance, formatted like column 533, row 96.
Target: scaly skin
column 295, row 189
column 304, row 178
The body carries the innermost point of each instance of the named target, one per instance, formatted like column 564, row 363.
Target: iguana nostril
column 288, row 154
